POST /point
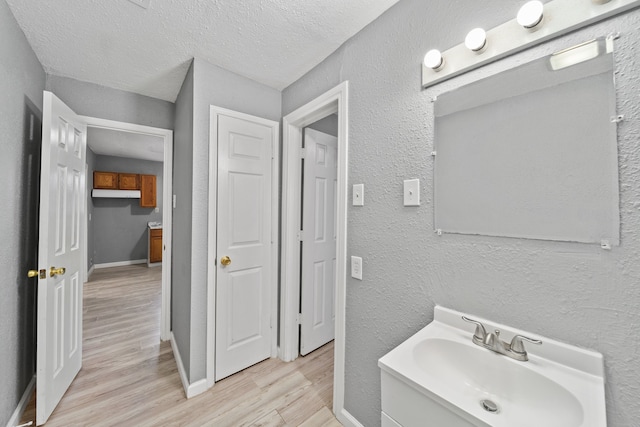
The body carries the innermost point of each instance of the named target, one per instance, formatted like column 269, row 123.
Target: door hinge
column 303, row 153
column 299, row 319
column 300, row 235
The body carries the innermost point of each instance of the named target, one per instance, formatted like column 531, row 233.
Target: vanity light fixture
column 476, row 39
column 434, row 60
column 541, row 22
column 530, row 14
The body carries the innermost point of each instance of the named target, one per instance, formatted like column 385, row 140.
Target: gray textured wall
column 91, row 162
column 182, row 184
column 328, row 125
column 120, row 225
column 572, row 292
column 21, row 87
column 89, row 99
column 214, row 86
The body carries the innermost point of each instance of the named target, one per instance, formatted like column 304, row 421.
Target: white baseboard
column 347, row 419
column 22, row 405
column 90, row 272
column 190, row 390
column 120, row 263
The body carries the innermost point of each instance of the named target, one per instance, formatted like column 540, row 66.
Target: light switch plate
column 358, row 195
column 412, row 192
column 356, row 267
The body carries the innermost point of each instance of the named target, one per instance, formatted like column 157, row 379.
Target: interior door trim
column 335, row 100
column 167, row 209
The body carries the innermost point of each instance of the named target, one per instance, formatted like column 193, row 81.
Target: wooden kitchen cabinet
column 155, row 245
column 148, row 191
column 128, row 181
column 105, row 180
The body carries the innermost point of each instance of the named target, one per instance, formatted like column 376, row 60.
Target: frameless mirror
column 532, row 152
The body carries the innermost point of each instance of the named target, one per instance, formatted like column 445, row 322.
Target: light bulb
column 530, row 14
column 433, row 59
column 476, row 39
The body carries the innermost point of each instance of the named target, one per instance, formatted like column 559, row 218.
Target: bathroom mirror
column 532, row 152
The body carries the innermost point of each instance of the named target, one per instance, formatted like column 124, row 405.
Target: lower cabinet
column 405, row 406
column 155, row 245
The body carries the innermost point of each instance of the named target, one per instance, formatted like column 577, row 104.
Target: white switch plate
column 358, row 195
column 412, row 192
column 356, row 267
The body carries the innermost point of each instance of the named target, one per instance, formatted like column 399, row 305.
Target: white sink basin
column 560, row 385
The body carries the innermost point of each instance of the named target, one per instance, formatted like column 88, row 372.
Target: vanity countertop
column 154, row 225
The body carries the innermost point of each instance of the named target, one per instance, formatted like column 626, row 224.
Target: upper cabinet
column 128, row 181
column 127, row 185
column 105, row 180
column 148, row 191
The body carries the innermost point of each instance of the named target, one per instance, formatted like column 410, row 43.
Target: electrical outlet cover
column 358, row 195
column 356, row 267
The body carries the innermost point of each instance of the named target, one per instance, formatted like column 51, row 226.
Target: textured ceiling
column 119, row 44
column 125, row 144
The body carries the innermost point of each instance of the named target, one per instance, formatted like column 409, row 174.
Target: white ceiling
column 117, row 43
column 117, row 143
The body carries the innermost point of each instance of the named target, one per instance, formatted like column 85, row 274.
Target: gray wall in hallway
column 89, row 99
column 212, row 85
column 21, row 86
column 575, row 293
column 120, row 225
column 91, row 162
column 182, row 183
column 328, row 125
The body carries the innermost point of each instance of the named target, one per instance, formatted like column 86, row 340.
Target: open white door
column 62, row 190
column 319, row 240
column 244, row 243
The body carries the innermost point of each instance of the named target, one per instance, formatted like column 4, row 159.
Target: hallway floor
column 130, row 378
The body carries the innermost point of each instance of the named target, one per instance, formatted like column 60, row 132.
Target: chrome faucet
column 491, row 340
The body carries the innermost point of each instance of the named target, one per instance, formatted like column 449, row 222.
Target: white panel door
column 319, row 240
column 243, row 289
column 62, row 189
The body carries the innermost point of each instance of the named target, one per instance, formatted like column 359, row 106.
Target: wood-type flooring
column 129, row 377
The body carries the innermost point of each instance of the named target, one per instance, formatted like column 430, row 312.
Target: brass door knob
column 225, row 260
column 57, row 271
column 33, row 273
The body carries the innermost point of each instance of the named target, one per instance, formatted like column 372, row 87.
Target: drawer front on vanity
column 387, row 421
column 409, row 408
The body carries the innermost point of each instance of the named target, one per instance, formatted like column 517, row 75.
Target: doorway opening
column 335, row 101
column 154, row 144
column 318, row 234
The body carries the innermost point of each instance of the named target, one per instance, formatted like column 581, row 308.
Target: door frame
column 167, row 210
column 332, row 101
column 214, row 112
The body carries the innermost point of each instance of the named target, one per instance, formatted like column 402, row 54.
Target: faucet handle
column 517, row 346
column 481, row 333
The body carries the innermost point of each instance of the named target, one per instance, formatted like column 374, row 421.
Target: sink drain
column 489, row 406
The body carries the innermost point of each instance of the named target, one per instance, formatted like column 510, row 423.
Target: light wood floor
column 130, row 378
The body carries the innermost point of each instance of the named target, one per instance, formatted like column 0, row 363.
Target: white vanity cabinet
column 404, row 406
